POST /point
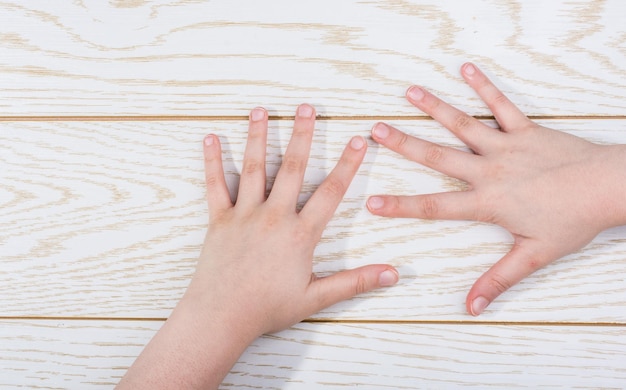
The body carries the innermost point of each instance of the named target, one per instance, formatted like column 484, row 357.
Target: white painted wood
column 106, row 219
column 92, row 355
column 347, row 57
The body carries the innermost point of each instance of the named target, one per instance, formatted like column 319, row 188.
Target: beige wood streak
column 224, row 57
column 106, row 219
column 95, row 354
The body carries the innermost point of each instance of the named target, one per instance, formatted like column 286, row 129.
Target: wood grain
column 102, row 109
column 223, row 57
column 95, row 354
column 106, row 219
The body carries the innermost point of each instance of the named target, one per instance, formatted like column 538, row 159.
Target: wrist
column 610, row 181
column 217, row 322
column 195, row 348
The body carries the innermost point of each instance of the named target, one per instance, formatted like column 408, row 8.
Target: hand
column 552, row 191
column 258, row 253
column 254, row 275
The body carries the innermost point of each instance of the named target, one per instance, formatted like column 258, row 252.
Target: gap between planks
column 181, row 118
column 344, row 322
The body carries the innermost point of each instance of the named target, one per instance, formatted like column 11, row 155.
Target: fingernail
column 478, row 305
column 375, row 202
column 257, row 114
column 469, row 69
column 380, row 131
column 415, row 93
column 388, row 278
column 357, row 143
column 305, row 111
column 208, row 140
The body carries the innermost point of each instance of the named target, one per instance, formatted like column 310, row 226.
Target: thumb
column 344, row 285
column 523, row 259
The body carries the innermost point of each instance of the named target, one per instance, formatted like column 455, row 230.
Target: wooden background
column 103, row 107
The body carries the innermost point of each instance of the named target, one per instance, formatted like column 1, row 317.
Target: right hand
column 552, row 191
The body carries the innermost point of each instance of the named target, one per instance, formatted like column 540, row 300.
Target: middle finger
column 291, row 173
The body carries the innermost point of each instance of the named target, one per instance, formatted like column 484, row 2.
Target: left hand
column 258, row 252
column 255, row 272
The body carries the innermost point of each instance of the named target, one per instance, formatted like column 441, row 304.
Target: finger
column 475, row 134
column 506, row 113
column 523, row 259
column 446, row 205
column 252, row 182
column 343, row 285
column 324, row 201
column 449, row 161
column 217, row 194
column 291, row 173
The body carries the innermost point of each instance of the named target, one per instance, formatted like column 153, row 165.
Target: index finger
column 322, row 205
column 449, row 161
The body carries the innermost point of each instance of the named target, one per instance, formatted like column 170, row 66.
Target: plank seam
column 187, row 118
column 606, row 324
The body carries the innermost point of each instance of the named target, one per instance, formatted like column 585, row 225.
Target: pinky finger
column 217, row 195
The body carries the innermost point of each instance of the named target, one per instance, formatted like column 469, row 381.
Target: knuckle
column 392, row 206
column 434, row 154
column 211, row 180
column 304, row 233
column 484, row 82
column 462, row 121
column 302, row 129
column 293, row 164
column 301, row 234
column 401, row 142
column 269, row 223
column 252, row 166
column 431, row 102
column 430, row 207
column 333, row 186
column 499, row 283
column 360, row 285
column 500, row 98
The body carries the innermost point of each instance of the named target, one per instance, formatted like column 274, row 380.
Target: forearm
column 195, row 348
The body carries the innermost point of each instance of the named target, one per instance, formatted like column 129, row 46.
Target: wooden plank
column 224, row 57
column 106, row 219
column 95, row 354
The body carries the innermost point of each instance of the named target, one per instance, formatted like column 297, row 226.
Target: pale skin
column 254, row 275
column 552, row 191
